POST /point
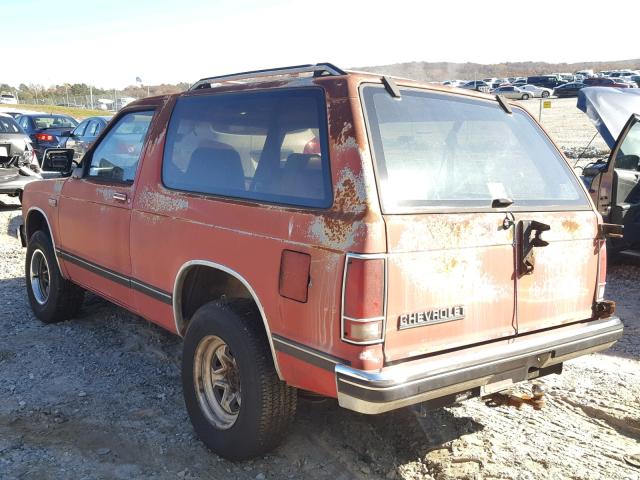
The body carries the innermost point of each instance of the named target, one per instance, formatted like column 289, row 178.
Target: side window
column 115, row 159
column 98, row 129
column 265, row 146
column 79, row 130
column 628, row 156
column 91, row 129
column 24, row 123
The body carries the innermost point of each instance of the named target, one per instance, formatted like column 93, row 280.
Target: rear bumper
column 438, row 376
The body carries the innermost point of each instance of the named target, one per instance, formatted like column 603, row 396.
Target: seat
column 215, row 170
column 302, row 176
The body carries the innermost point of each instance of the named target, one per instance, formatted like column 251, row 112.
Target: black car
column 83, row 136
column 477, row 85
column 46, row 130
column 546, row 81
column 568, row 89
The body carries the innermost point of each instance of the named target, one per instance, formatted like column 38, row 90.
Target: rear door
column 458, row 179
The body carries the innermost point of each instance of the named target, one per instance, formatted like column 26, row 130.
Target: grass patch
column 79, row 113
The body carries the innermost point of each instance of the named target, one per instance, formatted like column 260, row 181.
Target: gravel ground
column 99, row 398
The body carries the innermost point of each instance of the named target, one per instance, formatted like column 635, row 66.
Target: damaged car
column 614, row 183
column 18, row 163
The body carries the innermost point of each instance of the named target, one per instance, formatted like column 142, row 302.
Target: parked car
column 18, row 165
column 512, row 92
column 536, row 91
column 568, row 89
column 636, row 78
column 605, row 82
column 546, row 81
column 477, row 85
column 83, row 136
column 8, row 99
column 46, row 130
column 250, row 217
column 614, row 184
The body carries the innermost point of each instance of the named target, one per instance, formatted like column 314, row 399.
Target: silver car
column 18, row 164
column 511, row 92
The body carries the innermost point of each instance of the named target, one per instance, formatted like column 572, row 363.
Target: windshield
column 8, row 125
column 54, row 121
column 442, row 150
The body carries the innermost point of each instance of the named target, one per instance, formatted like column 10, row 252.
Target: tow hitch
column 537, row 398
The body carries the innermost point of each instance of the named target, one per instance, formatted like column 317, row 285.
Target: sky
column 110, row 43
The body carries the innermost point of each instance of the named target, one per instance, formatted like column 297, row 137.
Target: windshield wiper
column 501, row 202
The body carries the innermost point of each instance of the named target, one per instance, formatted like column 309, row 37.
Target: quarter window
column 265, row 146
column 116, row 158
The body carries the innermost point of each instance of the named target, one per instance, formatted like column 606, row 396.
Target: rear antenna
column 391, row 87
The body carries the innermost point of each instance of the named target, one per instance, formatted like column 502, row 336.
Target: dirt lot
column 99, row 398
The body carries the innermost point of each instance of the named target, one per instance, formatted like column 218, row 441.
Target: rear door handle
column 120, row 197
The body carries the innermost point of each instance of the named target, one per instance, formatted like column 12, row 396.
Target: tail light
column 312, row 146
column 364, row 299
column 602, row 271
column 44, row 137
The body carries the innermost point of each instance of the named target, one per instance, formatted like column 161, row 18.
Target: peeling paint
column 162, row 203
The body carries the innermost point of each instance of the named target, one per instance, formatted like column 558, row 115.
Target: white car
column 514, row 93
column 8, row 99
column 536, row 91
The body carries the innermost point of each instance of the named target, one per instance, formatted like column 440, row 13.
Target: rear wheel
column 525, row 96
column 52, row 297
column 237, row 404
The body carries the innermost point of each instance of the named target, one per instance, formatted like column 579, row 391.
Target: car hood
column 609, row 109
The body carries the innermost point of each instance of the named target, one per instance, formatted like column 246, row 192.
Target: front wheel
column 237, row 404
column 525, row 96
column 545, row 94
column 52, row 297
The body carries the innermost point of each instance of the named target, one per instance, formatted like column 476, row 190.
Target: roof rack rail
column 319, row 69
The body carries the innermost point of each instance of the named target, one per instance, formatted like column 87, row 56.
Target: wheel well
column 202, row 284
column 36, row 221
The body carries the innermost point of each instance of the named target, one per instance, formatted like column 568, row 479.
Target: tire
column 20, row 196
column 54, row 299
column 525, row 96
column 545, row 94
column 263, row 407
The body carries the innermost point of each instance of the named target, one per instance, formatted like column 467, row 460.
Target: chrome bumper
column 438, row 376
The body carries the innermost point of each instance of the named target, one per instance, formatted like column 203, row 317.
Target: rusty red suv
column 376, row 240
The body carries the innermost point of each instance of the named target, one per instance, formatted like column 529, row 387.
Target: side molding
column 177, row 300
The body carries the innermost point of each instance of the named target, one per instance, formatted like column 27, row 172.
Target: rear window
column 54, row 121
column 266, row 146
column 8, row 125
column 437, row 151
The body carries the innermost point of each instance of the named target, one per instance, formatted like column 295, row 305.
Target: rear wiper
column 501, row 202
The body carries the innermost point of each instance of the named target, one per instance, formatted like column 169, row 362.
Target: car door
column 75, row 140
column 619, row 186
column 95, row 210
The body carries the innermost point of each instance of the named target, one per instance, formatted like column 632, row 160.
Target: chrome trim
column 363, row 320
column 177, row 300
column 53, row 241
column 436, row 376
column 343, row 317
column 303, row 352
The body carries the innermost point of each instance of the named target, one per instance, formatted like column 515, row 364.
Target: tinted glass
column 628, row 156
column 8, row 125
column 268, row 146
column 435, row 150
column 79, row 130
column 54, row 121
column 91, row 129
column 115, row 159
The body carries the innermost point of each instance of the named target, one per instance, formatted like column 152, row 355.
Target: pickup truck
column 375, row 240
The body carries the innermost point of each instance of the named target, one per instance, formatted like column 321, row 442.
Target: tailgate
column 450, row 282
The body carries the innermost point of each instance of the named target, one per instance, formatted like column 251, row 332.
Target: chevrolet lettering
column 429, row 317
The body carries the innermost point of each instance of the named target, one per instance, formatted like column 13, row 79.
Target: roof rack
column 319, row 69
